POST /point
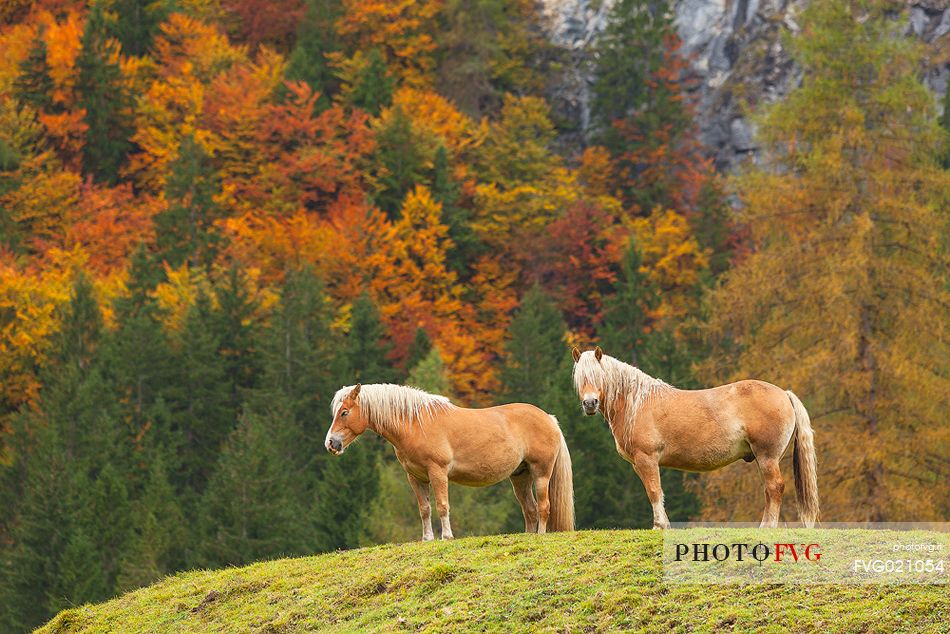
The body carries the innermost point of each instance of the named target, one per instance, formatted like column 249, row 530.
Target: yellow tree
column 400, row 28
column 844, row 298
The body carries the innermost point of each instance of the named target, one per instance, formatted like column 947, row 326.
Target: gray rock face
column 736, row 53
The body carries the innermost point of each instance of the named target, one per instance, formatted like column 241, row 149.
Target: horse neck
column 622, row 412
column 393, row 434
column 615, row 413
column 397, row 432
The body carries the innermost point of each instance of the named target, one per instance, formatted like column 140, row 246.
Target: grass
column 569, row 582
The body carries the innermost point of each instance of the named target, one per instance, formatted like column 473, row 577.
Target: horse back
column 706, row 429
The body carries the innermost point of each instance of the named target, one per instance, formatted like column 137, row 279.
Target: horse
column 657, row 425
column 437, row 442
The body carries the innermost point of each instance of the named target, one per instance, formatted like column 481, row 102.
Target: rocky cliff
column 735, row 49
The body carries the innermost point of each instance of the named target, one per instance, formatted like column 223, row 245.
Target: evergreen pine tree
column 316, row 37
column 534, row 349
column 106, row 522
column 419, row 349
column 104, row 99
column 364, row 358
column 139, row 363
column 61, row 446
column 625, row 316
column 629, row 52
column 255, row 505
column 41, row 525
column 298, row 352
column 234, row 321
column 373, row 88
column 430, row 374
column 488, row 48
column 136, row 22
column 446, row 191
column 157, row 540
column 400, row 160
column 199, row 396
column 34, row 85
column 79, row 575
column 185, row 230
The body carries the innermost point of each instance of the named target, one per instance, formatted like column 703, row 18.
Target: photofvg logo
column 836, row 553
column 740, row 551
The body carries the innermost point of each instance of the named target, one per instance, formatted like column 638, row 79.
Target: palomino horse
column 656, row 425
column 437, row 442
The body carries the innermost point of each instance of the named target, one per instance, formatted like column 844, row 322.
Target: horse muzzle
column 334, row 445
column 590, row 406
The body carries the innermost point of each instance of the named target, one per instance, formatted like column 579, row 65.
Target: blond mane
column 616, row 379
column 386, row 405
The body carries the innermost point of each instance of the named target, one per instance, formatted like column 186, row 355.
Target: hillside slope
column 583, row 581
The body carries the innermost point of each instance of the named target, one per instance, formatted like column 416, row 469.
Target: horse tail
column 805, row 464
column 561, row 489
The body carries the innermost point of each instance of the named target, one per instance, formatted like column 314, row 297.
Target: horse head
column 590, row 391
column 348, row 422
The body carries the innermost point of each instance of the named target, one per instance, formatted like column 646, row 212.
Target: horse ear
column 355, row 391
column 576, row 354
column 598, row 353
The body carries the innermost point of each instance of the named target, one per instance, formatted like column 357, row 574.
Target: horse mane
column 615, row 379
column 386, row 405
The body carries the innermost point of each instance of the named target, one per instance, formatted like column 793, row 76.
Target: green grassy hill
column 585, row 581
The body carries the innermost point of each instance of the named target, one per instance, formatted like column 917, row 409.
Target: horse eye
column 344, row 412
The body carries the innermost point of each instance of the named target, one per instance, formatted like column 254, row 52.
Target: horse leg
column 774, row 488
column 544, row 503
column 521, row 484
column 421, row 489
column 440, row 488
column 648, row 469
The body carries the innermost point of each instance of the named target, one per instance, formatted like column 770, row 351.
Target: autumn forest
column 214, row 213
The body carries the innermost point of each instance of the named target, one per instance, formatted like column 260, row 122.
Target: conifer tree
column 40, row 528
column 535, row 348
column 364, row 357
column 136, row 22
column 625, row 315
column 488, row 48
column 629, row 53
column 255, row 505
column 185, row 231
column 298, row 351
column 447, row 192
column 401, row 162
column 843, row 299
column 106, row 521
column 156, row 545
column 304, row 365
column 199, row 396
column 34, row 85
column 138, row 361
column 419, row 349
column 429, row 374
column 61, row 447
column 316, row 37
column 103, row 97
column 372, row 89
column 79, row 576
column 234, row 319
